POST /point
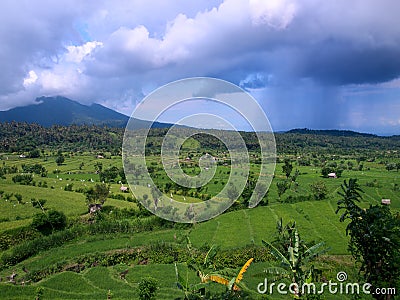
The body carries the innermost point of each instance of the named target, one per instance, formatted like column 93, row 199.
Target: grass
column 98, row 243
column 316, row 221
column 94, row 283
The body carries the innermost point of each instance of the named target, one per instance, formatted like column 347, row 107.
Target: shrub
column 319, row 190
column 27, row 249
column 69, row 187
column 35, row 153
column 15, row 236
column 147, row 288
column 19, row 198
column 36, row 168
column 48, row 222
column 38, row 203
column 298, row 198
column 25, row 179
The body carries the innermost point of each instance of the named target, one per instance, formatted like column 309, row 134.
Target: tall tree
column 319, row 190
column 282, row 186
column 287, row 168
column 97, row 194
column 374, row 238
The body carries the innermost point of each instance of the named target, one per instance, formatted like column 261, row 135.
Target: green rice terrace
column 70, row 228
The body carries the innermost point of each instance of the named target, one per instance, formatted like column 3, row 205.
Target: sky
column 309, row 64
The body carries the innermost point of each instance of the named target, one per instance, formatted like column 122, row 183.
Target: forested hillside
column 16, row 137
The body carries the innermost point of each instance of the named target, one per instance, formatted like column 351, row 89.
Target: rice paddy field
column 234, row 230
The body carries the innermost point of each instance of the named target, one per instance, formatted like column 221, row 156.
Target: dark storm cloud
column 301, row 52
column 338, row 63
column 332, row 43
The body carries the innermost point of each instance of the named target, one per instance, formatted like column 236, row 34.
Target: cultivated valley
column 71, row 228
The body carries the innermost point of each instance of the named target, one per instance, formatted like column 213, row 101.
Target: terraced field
column 316, row 221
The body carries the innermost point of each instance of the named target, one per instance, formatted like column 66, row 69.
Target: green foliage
column 36, row 169
column 297, row 198
column 319, row 190
column 374, row 237
column 147, row 288
column 39, row 293
column 60, row 159
column 15, row 236
column 35, row 153
column 109, row 174
column 391, row 166
column 232, row 192
column 29, row 248
column 18, row 197
column 69, row 187
column 282, row 186
column 350, row 194
column 296, row 257
column 25, row 179
column 97, row 194
column 287, row 167
column 48, row 222
column 38, row 203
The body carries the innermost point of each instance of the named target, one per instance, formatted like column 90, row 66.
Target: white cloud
column 77, row 53
column 30, row 79
column 275, row 13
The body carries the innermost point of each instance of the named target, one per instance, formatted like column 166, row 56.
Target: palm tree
column 350, row 193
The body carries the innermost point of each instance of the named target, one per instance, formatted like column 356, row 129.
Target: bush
column 36, row 168
column 147, row 288
column 25, row 179
column 49, row 222
column 69, row 187
column 35, row 153
column 15, row 236
column 298, row 198
column 319, row 190
column 60, row 160
column 38, row 203
column 27, row 249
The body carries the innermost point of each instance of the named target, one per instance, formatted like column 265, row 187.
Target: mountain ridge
column 59, row 110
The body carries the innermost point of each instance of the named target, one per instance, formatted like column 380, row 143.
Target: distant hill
column 330, row 132
column 63, row 111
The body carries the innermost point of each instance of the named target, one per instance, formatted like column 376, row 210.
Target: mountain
column 63, row 111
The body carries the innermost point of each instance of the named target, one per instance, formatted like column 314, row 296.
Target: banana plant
column 206, row 271
column 203, row 269
column 295, row 260
column 191, row 291
column 233, row 283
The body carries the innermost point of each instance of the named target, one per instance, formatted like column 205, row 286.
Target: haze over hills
column 60, row 110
